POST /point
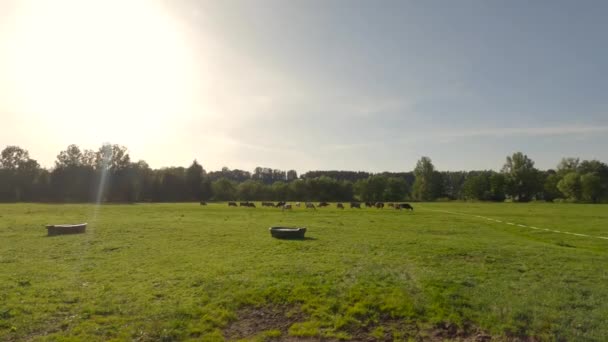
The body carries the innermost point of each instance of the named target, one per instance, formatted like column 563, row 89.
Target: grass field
column 183, row 271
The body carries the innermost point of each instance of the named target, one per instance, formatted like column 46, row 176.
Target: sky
column 307, row 85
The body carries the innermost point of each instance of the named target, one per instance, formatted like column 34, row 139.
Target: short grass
column 184, row 271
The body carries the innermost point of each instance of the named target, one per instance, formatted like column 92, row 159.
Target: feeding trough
column 61, row 229
column 287, row 232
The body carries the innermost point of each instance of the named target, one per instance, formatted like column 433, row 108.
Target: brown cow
column 232, row 204
column 340, row 206
column 379, row 205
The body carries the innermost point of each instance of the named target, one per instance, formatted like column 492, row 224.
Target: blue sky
column 355, row 85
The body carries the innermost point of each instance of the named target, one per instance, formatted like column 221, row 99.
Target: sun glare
column 105, row 66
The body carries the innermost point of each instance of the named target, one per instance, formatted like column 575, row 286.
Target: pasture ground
column 184, row 271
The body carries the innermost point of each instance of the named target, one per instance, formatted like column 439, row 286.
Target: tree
column 292, row 175
column 550, row 190
column 601, row 170
column 396, row 189
column 12, row 157
column 206, row 190
column 113, row 157
column 224, row 190
column 427, row 185
column 452, row 183
column 73, row 178
column 497, row 187
column 570, row 186
column 477, row 187
column 250, row 190
column 299, row 190
column 280, row 190
column 522, row 179
column 567, row 165
column 591, row 187
column 19, row 173
column 194, row 178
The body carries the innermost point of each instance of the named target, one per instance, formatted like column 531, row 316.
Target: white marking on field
column 521, row 225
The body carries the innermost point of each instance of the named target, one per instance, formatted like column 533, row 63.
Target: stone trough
column 61, row 229
column 287, row 232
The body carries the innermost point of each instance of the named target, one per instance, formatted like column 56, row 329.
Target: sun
column 111, row 68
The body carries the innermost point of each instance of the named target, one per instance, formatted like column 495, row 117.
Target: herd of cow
column 310, row 205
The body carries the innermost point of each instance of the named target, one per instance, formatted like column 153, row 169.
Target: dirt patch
column 393, row 329
column 253, row 320
column 452, row 332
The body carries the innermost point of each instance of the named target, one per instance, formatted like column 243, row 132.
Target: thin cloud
column 526, row 131
column 451, row 135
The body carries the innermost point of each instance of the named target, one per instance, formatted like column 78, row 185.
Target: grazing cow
column 407, row 206
column 355, row 205
column 379, row 205
column 280, row 204
column 323, row 204
column 286, row 206
column 298, row 204
column 404, row 206
column 232, row 204
column 340, row 206
column 369, row 204
column 203, row 203
column 310, row 206
column 251, row 205
column 243, row 204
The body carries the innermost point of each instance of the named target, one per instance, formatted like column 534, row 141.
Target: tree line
column 109, row 175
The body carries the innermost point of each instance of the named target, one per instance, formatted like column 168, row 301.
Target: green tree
column 570, row 186
column 194, row 179
column 292, row 175
column 498, row 184
column 427, row 186
column 591, row 187
column 224, row 190
column 550, row 190
column 19, row 173
column 567, row 165
column 250, row 190
column 280, row 190
column 523, row 180
column 477, row 187
column 396, row 189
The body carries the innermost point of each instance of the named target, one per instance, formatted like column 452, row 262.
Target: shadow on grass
column 297, row 239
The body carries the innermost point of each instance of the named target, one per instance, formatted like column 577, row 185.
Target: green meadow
column 151, row 272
